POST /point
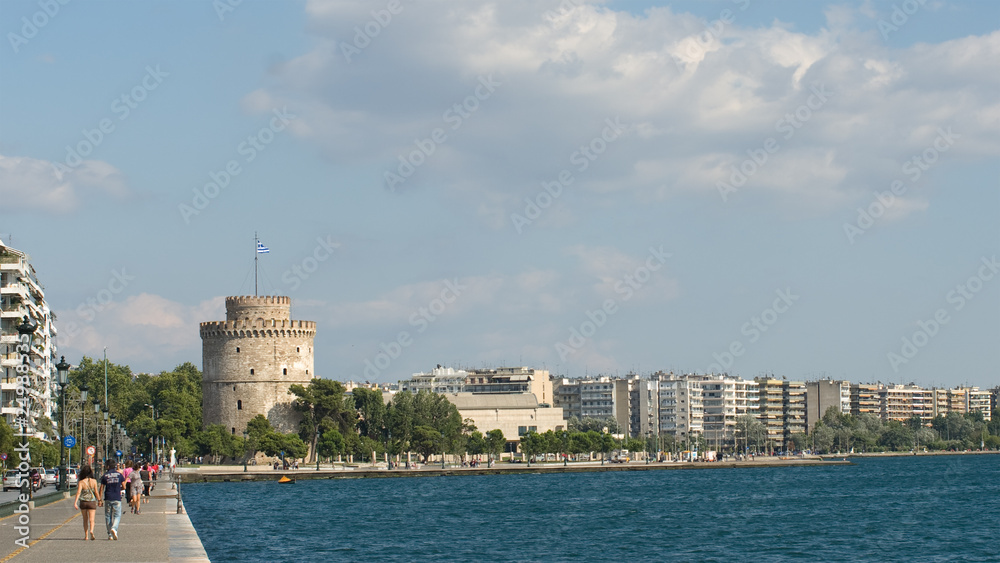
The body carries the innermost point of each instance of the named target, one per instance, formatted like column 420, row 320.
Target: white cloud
column 32, row 184
column 566, row 72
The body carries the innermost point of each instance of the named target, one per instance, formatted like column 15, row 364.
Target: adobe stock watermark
column 365, row 34
column 694, row 47
column 787, row 125
column 958, row 298
column 913, row 168
column 225, row 7
column 89, row 308
column 626, row 288
column 753, row 329
column 249, row 149
column 300, row 272
column 48, row 10
column 22, row 406
column 582, row 158
column 421, row 319
column 122, row 107
column 454, row 116
column 900, row 15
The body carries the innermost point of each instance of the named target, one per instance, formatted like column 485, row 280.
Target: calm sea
column 893, row 509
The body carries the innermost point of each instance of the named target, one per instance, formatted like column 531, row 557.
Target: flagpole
column 256, row 241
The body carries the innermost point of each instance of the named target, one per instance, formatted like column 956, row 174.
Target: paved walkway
column 157, row 534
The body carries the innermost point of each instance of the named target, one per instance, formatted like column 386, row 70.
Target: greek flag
column 261, row 249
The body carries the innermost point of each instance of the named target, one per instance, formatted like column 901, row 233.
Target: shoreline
column 908, row 454
column 219, row 474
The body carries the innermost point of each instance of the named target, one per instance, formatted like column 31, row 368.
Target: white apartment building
column 439, row 380
column 21, row 295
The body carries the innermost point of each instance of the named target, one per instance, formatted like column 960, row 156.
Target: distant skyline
column 801, row 189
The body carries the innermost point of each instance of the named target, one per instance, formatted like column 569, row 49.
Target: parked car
column 71, row 476
column 51, row 476
column 11, row 480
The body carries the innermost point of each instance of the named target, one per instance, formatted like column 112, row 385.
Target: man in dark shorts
column 111, row 491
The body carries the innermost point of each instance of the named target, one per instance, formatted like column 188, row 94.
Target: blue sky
column 832, row 103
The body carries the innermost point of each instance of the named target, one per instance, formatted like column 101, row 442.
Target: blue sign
column 118, row 453
column 69, row 441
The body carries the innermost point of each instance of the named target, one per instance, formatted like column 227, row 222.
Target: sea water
column 942, row 508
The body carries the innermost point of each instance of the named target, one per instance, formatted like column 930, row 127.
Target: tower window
column 284, row 371
column 239, row 405
column 296, row 349
column 307, row 372
column 237, row 349
column 251, row 371
column 234, row 388
column 233, row 431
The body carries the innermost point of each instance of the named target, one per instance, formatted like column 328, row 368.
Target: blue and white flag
column 261, row 249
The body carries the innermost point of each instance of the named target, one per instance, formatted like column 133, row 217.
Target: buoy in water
column 286, row 480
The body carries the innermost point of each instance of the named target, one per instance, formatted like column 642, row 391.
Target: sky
column 803, row 189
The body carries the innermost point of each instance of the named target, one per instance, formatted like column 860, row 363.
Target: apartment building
column 438, row 380
column 22, row 296
column 823, row 394
column 596, row 397
column 866, row 398
column 980, row 400
column 901, row 402
column 511, row 380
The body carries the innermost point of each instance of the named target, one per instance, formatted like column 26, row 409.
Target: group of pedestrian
column 134, row 482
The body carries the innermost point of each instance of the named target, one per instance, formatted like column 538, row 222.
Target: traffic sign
column 91, row 450
column 118, row 453
column 3, row 457
column 69, row 441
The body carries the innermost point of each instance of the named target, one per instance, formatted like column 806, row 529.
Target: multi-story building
column 793, row 408
column 510, row 380
column 22, row 297
column 643, row 405
column 597, row 397
column 866, row 398
column 681, row 408
column 823, row 394
column 979, row 400
column 438, row 380
column 771, row 411
column 902, row 402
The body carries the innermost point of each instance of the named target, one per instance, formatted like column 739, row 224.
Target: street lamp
column 62, row 370
column 152, row 410
column 246, row 436
column 97, row 427
column 106, row 433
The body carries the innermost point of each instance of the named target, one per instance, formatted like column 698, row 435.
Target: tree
column 216, row 440
column 476, row 444
column 750, row 432
column 371, row 411
column 322, row 406
column 532, row 444
column 331, row 443
column 427, row 441
column 495, row 443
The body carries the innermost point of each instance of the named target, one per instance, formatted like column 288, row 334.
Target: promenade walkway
column 157, row 534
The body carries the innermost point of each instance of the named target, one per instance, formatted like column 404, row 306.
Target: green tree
column 427, row 441
column 322, row 405
column 495, row 443
column 331, row 443
column 476, row 444
column 371, row 413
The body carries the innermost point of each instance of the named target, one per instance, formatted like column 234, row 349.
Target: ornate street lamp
column 62, row 371
column 97, row 425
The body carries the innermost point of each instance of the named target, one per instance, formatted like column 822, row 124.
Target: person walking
column 147, row 482
column 111, row 493
column 135, row 489
column 86, row 500
column 127, row 473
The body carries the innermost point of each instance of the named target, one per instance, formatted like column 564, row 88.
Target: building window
column 307, row 372
column 234, row 388
column 522, row 430
column 239, row 405
column 237, row 349
column 251, row 371
column 296, row 349
column 284, row 371
column 532, row 429
column 233, row 431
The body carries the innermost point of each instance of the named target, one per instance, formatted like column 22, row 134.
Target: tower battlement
column 251, row 307
column 250, row 360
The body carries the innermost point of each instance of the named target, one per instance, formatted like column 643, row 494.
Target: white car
column 11, row 480
column 71, row 477
column 51, row 476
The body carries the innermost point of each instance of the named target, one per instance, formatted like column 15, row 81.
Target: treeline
column 839, row 432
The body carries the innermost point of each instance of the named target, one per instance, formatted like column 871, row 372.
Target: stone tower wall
column 250, row 360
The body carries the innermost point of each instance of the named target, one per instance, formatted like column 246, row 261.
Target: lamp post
column 97, row 428
column 442, row 450
column 83, row 420
column 62, row 370
column 152, row 450
column 105, row 410
column 246, row 436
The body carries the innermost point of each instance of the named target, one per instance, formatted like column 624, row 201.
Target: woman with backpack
column 86, row 500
